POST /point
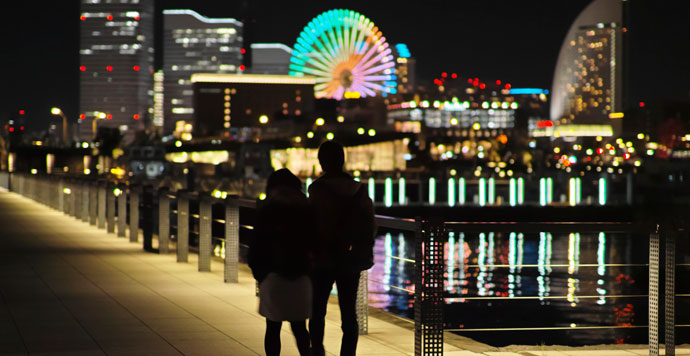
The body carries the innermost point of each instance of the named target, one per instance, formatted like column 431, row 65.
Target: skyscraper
column 116, row 64
column 404, row 68
column 195, row 44
column 270, row 58
column 587, row 85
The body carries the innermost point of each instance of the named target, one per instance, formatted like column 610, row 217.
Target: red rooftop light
column 110, row 116
column 498, row 82
column 83, row 18
column 109, row 68
column 82, row 68
column 444, row 74
column 109, row 17
column 508, row 86
column 21, row 112
column 137, row 17
column 641, row 104
column 469, row 81
column 482, row 86
column 136, row 116
column 136, row 68
column 11, row 129
column 242, row 67
column 454, row 75
column 82, row 116
column 21, row 128
column 243, row 51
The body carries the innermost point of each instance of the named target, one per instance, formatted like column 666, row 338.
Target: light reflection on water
column 513, row 280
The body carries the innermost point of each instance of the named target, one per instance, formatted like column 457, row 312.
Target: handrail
column 396, row 223
column 552, row 227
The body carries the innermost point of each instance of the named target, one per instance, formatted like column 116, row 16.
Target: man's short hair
column 331, row 157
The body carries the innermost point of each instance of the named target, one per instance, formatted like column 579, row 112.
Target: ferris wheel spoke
column 379, row 68
column 379, row 58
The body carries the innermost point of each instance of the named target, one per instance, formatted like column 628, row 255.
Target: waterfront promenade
column 67, row 288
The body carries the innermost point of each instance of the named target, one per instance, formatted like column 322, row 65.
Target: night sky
column 514, row 41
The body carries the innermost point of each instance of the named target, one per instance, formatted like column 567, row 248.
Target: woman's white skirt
column 281, row 299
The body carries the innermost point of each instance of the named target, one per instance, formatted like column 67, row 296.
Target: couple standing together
column 302, row 246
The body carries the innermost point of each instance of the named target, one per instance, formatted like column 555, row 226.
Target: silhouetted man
column 344, row 248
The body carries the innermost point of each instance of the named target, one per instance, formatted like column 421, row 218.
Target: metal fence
column 184, row 214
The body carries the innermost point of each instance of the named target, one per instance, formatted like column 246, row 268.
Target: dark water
column 513, row 280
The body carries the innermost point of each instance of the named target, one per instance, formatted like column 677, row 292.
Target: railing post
column 133, row 213
column 182, row 226
column 654, row 293
column 76, row 199
column 205, row 220
column 93, row 203
column 428, row 297
column 363, row 303
column 61, row 195
column 122, row 211
column 146, row 212
column 102, row 197
column 85, row 201
column 670, row 282
column 68, row 197
column 232, row 239
column 163, row 221
column 110, row 208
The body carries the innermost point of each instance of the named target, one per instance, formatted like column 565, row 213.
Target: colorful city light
column 346, row 52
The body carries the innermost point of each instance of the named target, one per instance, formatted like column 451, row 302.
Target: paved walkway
column 67, row 288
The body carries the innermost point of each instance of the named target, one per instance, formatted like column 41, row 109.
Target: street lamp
column 58, row 112
column 97, row 116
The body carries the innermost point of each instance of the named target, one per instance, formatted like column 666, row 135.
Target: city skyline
column 50, row 59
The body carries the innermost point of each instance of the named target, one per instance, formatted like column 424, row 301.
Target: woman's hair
column 283, row 178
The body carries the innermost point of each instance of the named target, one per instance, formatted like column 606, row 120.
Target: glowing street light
column 320, row 121
column 263, row 119
column 58, row 112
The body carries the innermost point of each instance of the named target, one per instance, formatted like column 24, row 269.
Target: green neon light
column 482, row 192
column 389, row 192
column 549, row 190
column 432, row 191
column 451, row 192
column 401, row 191
column 512, row 192
column 520, row 191
column 372, row 188
column 602, row 191
column 542, row 191
column 461, row 191
column 572, row 191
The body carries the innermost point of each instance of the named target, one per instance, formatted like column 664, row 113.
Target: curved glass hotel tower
column 587, row 85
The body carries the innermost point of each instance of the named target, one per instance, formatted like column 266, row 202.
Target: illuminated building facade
column 195, row 44
column 270, row 58
column 404, row 69
column 116, row 64
column 225, row 104
column 587, row 85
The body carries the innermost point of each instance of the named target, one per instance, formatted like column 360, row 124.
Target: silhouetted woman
column 280, row 259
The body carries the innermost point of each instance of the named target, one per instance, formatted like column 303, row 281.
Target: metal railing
column 104, row 204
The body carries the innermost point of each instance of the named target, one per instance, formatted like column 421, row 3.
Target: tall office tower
column 116, row 64
column 588, row 81
column 195, row 44
column 270, row 58
column 404, row 68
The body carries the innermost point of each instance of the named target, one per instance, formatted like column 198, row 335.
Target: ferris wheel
column 347, row 54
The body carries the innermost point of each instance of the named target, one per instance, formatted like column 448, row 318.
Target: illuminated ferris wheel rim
column 345, row 52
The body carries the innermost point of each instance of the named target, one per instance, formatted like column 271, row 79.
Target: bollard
column 654, row 293
column 121, row 210
column 110, row 208
column 146, row 212
column 428, row 296
column 163, row 221
column 363, row 303
column 102, row 197
column 232, row 239
column 205, row 220
column 182, row 226
column 93, row 203
column 133, row 213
